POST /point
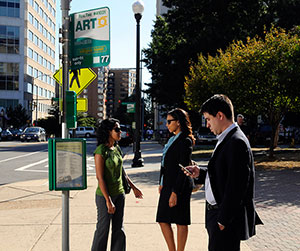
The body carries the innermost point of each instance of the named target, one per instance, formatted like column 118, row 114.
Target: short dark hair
column 218, row 103
column 104, row 128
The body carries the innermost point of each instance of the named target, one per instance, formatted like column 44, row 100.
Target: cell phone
column 185, row 169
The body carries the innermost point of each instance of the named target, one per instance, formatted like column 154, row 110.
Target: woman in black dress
column 175, row 187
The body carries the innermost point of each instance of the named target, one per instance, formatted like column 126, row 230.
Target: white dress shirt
column 208, row 192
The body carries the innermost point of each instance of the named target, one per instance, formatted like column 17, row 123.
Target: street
column 20, row 161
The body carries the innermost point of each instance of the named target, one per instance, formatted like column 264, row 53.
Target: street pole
column 137, row 161
column 36, row 104
column 65, row 7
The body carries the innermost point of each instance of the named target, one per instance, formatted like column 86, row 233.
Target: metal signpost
column 88, row 46
column 90, row 38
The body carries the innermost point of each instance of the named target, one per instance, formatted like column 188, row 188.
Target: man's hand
column 192, row 171
column 221, row 227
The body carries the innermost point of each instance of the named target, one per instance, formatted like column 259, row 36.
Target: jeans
column 118, row 238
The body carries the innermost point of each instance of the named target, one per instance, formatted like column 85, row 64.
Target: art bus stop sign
column 90, row 38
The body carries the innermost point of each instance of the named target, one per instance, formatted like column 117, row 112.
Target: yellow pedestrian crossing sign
column 78, row 79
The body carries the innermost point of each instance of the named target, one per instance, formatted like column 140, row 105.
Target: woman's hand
column 173, row 200
column 137, row 192
column 110, row 207
column 159, row 188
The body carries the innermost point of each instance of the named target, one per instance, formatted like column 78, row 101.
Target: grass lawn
column 284, row 158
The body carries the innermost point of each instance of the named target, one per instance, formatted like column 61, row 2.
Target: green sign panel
column 67, row 164
column 90, row 38
column 130, row 106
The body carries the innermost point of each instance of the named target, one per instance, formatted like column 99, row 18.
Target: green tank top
column 112, row 169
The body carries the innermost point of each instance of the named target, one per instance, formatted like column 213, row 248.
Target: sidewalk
column 31, row 216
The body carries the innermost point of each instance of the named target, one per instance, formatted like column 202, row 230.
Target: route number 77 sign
column 90, row 38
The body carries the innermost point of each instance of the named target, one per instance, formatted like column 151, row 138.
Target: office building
column 27, row 55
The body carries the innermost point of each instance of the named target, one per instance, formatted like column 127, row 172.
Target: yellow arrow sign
column 78, row 79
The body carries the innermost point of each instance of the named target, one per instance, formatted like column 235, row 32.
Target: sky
column 122, row 29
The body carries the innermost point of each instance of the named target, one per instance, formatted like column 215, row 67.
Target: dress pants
column 225, row 240
column 118, row 238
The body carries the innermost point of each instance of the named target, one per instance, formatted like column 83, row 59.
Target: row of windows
column 9, row 102
column 40, row 43
column 9, row 39
column 41, row 60
column 9, row 76
column 37, row 24
column 38, row 9
column 40, row 75
column 10, row 8
column 41, row 28
column 42, row 92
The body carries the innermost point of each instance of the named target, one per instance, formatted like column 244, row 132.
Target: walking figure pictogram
column 75, row 77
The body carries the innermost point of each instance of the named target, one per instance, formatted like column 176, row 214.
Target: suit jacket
column 178, row 153
column 231, row 174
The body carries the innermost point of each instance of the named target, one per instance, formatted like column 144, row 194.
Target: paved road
column 29, row 161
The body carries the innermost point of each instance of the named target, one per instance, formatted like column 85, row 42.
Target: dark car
column 6, row 135
column 33, row 133
column 16, row 133
column 126, row 135
column 205, row 136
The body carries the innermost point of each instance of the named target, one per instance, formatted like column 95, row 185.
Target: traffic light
column 71, row 117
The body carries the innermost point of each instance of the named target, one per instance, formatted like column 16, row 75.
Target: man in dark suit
column 229, row 179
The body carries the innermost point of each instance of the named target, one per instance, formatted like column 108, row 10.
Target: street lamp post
column 138, row 8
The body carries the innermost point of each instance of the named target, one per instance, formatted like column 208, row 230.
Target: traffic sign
column 130, row 106
column 78, row 79
column 90, row 38
column 82, row 104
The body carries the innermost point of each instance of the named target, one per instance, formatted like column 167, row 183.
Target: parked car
column 33, row 133
column 6, row 135
column 16, row 133
column 126, row 135
column 205, row 136
column 84, row 131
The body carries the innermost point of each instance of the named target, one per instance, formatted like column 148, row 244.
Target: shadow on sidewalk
column 277, row 187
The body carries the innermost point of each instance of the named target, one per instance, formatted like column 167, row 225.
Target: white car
column 84, row 131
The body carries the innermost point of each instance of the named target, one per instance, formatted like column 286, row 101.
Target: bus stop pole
column 65, row 7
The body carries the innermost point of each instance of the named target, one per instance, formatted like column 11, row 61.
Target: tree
column 193, row 27
column 261, row 76
column 51, row 123
column 17, row 116
column 83, row 120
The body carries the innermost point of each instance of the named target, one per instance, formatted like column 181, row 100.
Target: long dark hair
column 103, row 130
column 184, row 120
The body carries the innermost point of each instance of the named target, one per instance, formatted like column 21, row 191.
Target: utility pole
column 65, row 7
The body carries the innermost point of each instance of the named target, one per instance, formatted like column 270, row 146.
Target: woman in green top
column 110, row 195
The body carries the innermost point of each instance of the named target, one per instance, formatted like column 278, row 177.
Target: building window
column 30, row 70
column 30, row 53
column 10, row 8
column 9, row 76
column 29, row 87
column 9, row 103
column 9, row 39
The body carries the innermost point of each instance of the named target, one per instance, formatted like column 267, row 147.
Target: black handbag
column 126, row 186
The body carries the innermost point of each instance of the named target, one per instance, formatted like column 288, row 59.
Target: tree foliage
column 192, row 27
column 18, row 116
column 261, row 76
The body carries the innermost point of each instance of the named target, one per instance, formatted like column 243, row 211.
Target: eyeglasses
column 170, row 120
column 117, row 129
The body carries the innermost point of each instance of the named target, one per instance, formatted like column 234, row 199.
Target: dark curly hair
column 103, row 130
column 184, row 120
